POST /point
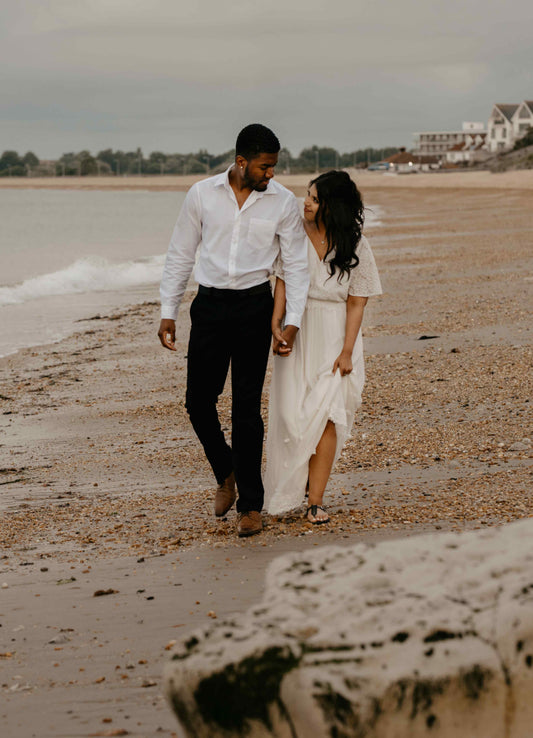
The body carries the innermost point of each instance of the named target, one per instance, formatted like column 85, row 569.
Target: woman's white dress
column 304, row 392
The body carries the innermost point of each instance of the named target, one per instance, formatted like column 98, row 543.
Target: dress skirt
column 304, row 395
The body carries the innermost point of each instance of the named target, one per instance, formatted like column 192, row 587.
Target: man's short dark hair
column 256, row 139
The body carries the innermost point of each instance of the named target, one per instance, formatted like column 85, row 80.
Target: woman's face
column 311, row 204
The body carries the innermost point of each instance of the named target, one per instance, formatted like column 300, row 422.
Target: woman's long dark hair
column 341, row 210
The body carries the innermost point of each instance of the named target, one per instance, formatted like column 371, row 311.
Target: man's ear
column 240, row 161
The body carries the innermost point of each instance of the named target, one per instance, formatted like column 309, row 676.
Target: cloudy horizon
column 179, row 77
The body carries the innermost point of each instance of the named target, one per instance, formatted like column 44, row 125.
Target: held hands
column 343, row 362
column 167, row 334
column 277, row 337
column 283, row 340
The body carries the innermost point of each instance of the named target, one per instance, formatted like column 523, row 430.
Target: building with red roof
column 408, row 161
column 469, row 151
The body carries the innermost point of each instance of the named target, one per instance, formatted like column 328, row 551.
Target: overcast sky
column 175, row 76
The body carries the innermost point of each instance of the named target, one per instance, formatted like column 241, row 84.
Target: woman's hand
column 276, row 345
column 277, row 336
column 343, row 362
column 282, row 340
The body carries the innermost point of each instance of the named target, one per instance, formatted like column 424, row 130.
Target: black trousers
column 230, row 326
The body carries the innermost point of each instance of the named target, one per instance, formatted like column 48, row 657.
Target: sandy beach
column 446, row 179
column 109, row 547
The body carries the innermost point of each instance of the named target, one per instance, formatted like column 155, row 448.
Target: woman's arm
column 282, row 339
column 278, row 314
column 355, row 307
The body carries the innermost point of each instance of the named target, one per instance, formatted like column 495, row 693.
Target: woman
column 316, row 388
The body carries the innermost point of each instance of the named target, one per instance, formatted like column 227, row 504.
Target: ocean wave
column 90, row 274
column 96, row 274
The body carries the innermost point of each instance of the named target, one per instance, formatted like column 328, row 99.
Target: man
column 241, row 220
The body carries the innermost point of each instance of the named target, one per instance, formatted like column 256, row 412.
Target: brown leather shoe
column 249, row 524
column 225, row 496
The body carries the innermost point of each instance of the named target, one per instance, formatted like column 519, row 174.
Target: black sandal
column 314, row 509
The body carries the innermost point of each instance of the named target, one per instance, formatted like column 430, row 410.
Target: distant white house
column 500, row 127
column 523, row 119
column 437, row 143
column 508, row 123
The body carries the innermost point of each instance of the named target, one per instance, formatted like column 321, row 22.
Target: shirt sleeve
column 295, row 268
column 364, row 279
column 181, row 254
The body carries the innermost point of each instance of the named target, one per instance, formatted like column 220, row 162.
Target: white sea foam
column 373, row 214
column 90, row 274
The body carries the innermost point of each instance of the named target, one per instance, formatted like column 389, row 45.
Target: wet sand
column 103, row 485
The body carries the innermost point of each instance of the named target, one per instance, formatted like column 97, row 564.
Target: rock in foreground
column 426, row 636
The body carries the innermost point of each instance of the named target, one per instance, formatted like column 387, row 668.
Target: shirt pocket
column 261, row 233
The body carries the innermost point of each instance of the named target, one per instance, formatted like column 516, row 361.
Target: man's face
column 259, row 171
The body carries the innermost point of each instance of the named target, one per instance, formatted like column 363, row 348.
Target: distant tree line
column 119, row 163
column 13, row 165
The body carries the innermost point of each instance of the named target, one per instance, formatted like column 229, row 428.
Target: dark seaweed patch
column 244, row 691
column 400, row 637
column 441, row 635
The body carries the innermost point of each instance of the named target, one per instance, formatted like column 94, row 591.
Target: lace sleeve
column 364, row 279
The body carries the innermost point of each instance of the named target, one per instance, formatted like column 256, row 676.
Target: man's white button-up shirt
column 237, row 248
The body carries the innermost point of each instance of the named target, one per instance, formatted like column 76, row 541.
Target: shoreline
column 479, row 179
column 104, row 487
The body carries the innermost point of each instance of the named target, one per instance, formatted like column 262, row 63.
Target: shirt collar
column 270, row 189
column 222, row 180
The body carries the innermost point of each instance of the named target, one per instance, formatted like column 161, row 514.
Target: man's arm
column 179, row 264
column 295, row 267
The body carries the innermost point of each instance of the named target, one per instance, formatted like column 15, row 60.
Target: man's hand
column 286, row 340
column 167, row 333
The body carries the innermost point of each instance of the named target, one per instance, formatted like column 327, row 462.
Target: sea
column 68, row 255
